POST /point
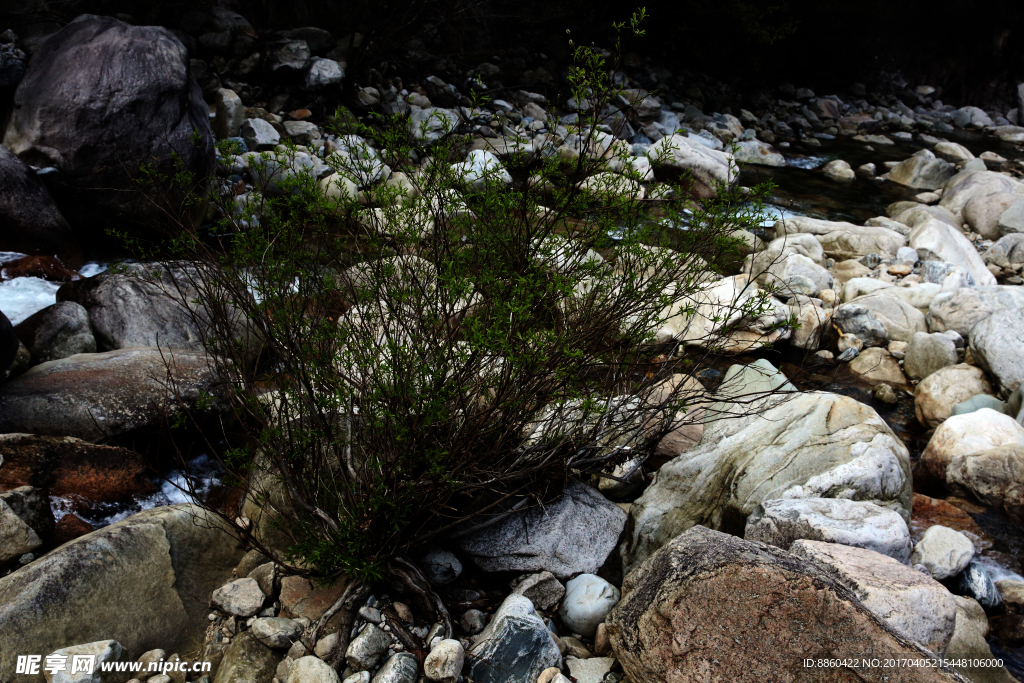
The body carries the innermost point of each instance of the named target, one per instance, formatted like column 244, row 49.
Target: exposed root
column 410, row 575
column 353, row 594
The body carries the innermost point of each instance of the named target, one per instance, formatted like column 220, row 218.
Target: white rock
column 943, row 552
column 104, row 651
column 997, row 343
column 310, row 669
column 444, row 663
column 590, row 670
column 937, row 394
column 367, row 647
column 837, row 169
column 240, row 598
column 259, row 135
column 276, row 632
column 970, row 433
column 937, row 241
column 588, row 599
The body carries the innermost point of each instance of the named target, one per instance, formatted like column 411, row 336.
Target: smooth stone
column 588, row 598
column 928, row 353
column 240, row 598
column 543, row 589
column 445, row 661
column 943, row 552
column 937, row 394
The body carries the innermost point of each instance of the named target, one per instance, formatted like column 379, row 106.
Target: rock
column 246, row 660
column 588, row 599
column 758, row 153
column 101, row 652
column 367, row 648
column 400, row 667
column 994, row 476
column 976, row 403
column 964, row 308
column 240, row 598
column 937, row 241
column 939, row 392
column 276, row 632
column 996, row 346
column 982, row 212
column 230, row 114
column 32, row 222
column 444, row 663
column 259, row 135
column 68, row 528
column 861, row 241
column 813, row 445
column 974, row 582
column 103, row 395
column 18, row 534
column 56, row 332
column 326, row 646
column 708, row 169
column 101, row 97
column 793, row 274
column 968, row 643
column 174, row 556
column 953, row 150
column 942, row 551
column 966, row 434
column 473, row 621
column 591, row 669
column 515, row 647
column 928, row 353
column 431, row 124
column 440, row 566
column 837, row 169
column 1007, row 253
column 322, row 73
column 910, row 601
column 311, row 669
column 686, row 615
column 877, row 365
column 1011, row 221
column 879, row 318
column 301, row 599
column 833, row 520
column 922, row 171
column 1012, row 594
column 968, row 184
column 574, row 534
column 542, row 589
column 286, row 58
column 9, row 343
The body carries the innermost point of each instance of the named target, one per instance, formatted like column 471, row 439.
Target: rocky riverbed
column 873, row 506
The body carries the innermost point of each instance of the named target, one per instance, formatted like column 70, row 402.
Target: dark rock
column 317, row 39
column 101, row 98
column 68, row 528
column 287, row 58
column 32, row 223
column 572, row 535
column 515, row 647
column 57, row 331
column 974, row 582
column 8, row 343
column 32, row 506
column 44, row 267
column 12, row 69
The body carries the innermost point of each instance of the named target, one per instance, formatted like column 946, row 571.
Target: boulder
column 1011, row 221
column 928, row 353
column 103, row 652
column 758, row 153
column 240, row 598
column 969, row 643
column 400, row 667
column 259, row 135
column 32, row 222
column 861, row 240
column 997, row 344
column 515, row 647
column 936, row 241
column 966, row 185
column 853, row 523
column 805, row 445
column 440, row 566
column 286, row 58
column 9, row 343
column 879, row 318
column 687, row 614
column 974, row 582
column 837, row 169
column 922, row 172
column 939, row 392
column 366, row 649
column 587, row 600
column 230, row 114
column 966, row 434
column 311, row 669
column 25, row 522
column 794, row 274
column 99, row 99
column 56, row 332
column 108, row 395
column 163, row 561
column 1007, row 252
column 572, row 535
column 910, row 601
column 920, row 213
column 431, row 124
column 942, row 551
column 708, row 169
column 982, row 212
column 322, row 73
column 877, row 365
column 994, row 476
column 964, row 308
column 246, row 659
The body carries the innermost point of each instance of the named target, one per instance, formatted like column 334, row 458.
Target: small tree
column 414, row 342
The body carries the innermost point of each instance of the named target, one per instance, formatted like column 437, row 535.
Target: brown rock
column 301, row 598
column 68, row 528
column 927, row 512
column 45, row 267
column 710, row 607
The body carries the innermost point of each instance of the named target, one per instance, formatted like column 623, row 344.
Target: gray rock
column 286, row 58
column 968, row 184
column 1007, row 253
column 759, row 153
column 543, row 589
column 102, row 395
column 982, row 212
column 56, row 332
column 322, row 73
column 97, row 99
column 240, row 598
column 837, row 169
column 1011, row 221
column 259, row 135
column 707, row 167
column 964, row 308
column 302, row 132
column 977, row 402
column 937, row 241
column 17, row 513
column 573, row 534
column 174, row 556
column 591, row 669
column 922, row 171
column 104, row 652
column 32, row 222
column 265, row 577
column 879, row 318
column 907, row 256
column 445, row 661
column 9, row 343
column 928, row 353
column 276, row 632
column 441, row 566
column 246, row 660
column 230, row 113
column 992, row 476
column 401, row 667
column 587, row 600
column 997, row 344
column 852, row 523
column 910, row 601
column 943, row 552
column 974, row 582
column 515, row 647
column 473, row 621
column 367, row 648
column 431, row 124
column 311, row 669
column 969, row 643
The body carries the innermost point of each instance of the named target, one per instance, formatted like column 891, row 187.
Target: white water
column 807, row 162
column 23, row 296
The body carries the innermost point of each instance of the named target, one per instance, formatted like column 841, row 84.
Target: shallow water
column 23, row 296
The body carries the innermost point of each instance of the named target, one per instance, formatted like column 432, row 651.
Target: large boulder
column 572, row 535
column 879, row 318
column 928, row 353
column 805, row 445
column 56, row 332
column 937, row 394
column 923, row 171
column 969, row 646
column 964, row 308
column 854, row 523
column 966, row 185
column 937, row 241
column 96, row 396
column 861, row 240
column 1007, row 252
column 100, row 99
column 709, row 606
column 994, row 477
column 997, row 343
column 708, row 169
column 910, row 601
column 982, row 212
column 32, row 222
column 966, row 434
column 164, row 562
